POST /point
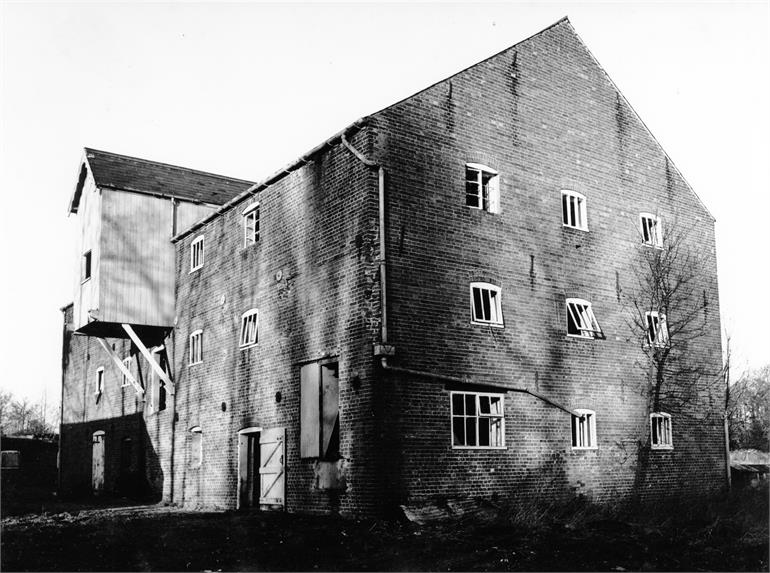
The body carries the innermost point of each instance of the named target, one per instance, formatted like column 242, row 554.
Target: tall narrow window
column 127, row 363
column 584, row 430
column 196, row 447
column 581, row 320
column 196, row 254
column 249, row 328
column 660, row 431
column 251, row 225
column 85, row 270
column 651, row 230
column 573, row 210
column 99, row 382
column 482, row 188
column 320, row 411
column 478, row 420
column 196, row 347
column 657, row 329
column 486, row 306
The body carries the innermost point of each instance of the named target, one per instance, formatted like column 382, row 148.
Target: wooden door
column 97, row 462
column 272, row 474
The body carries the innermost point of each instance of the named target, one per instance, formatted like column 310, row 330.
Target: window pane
column 470, row 432
column 564, row 215
column 572, row 326
column 484, row 432
column 485, row 299
column 457, row 404
column 496, row 432
column 496, row 404
column 477, row 306
column 573, row 219
column 470, row 404
column 574, row 431
column 484, row 404
column 458, row 431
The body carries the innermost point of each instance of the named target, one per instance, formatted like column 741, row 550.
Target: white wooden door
column 97, row 462
column 272, row 473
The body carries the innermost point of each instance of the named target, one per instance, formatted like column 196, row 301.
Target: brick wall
column 547, row 118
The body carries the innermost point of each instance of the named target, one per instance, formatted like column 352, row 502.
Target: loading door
column 97, row 462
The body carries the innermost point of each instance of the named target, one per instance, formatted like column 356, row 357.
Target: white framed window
column 249, row 328
column 478, row 420
column 660, row 431
column 482, row 187
column 85, row 267
column 581, row 321
column 196, row 347
column 127, row 363
column 251, row 225
column 486, row 305
column 196, row 253
column 196, row 447
column 99, row 382
column 584, row 430
column 651, row 230
column 657, row 329
column 573, row 210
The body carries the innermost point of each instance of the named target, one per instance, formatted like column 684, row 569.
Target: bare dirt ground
column 728, row 534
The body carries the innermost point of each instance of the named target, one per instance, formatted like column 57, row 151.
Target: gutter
column 383, row 350
column 274, row 178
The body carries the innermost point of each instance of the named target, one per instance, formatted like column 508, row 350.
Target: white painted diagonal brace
column 148, row 356
column 122, row 367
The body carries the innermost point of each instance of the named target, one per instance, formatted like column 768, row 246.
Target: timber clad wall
column 544, row 116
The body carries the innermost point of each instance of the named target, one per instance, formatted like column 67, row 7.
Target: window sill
column 195, row 270
column 581, row 337
column 492, row 324
column 565, row 226
column 662, row 448
column 582, row 449
column 479, row 447
column 195, row 363
column 247, row 346
column 84, row 281
column 652, row 246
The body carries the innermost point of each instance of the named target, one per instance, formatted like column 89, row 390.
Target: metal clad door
column 97, row 462
column 272, row 475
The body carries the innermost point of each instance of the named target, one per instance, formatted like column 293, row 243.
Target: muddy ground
column 722, row 535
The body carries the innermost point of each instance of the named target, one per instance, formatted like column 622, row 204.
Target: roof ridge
column 465, row 69
column 166, row 165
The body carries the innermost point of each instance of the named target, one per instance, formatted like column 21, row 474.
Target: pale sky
column 240, row 89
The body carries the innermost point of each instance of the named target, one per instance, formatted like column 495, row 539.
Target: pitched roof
column 121, row 172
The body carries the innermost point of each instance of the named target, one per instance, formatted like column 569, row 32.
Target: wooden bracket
column 148, row 356
column 122, row 367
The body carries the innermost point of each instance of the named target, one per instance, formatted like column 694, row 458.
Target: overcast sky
column 241, row 89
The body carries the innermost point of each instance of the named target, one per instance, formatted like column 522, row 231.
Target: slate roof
column 113, row 171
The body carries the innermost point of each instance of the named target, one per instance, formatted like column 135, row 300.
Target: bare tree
column 748, row 410
column 668, row 314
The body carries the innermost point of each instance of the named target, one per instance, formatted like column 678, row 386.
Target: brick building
column 428, row 304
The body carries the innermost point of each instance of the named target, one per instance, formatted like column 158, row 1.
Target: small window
column 157, row 394
column 249, row 328
column 660, row 431
column 584, row 430
column 251, row 225
column 196, row 254
column 486, row 307
column 651, row 230
column 99, row 383
column 11, row 459
column 657, row 329
column 581, row 321
column 196, row 347
column 478, row 420
column 482, row 188
column 127, row 363
column 85, row 271
column 573, row 210
column 196, row 447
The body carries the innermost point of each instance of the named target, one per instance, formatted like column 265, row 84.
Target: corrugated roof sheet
column 114, row 171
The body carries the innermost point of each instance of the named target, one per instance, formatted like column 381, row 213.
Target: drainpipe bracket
column 384, row 350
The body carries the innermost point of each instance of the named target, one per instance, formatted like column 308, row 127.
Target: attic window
column 85, row 267
column 196, row 254
column 581, row 321
column 482, row 187
column 573, row 210
column 99, row 383
column 651, row 230
column 251, row 225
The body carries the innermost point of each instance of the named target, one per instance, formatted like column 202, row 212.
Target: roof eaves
column 273, row 178
column 127, row 189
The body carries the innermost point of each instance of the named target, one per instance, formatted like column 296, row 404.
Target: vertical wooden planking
column 310, row 444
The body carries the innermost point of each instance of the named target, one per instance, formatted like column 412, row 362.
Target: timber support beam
column 162, row 374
